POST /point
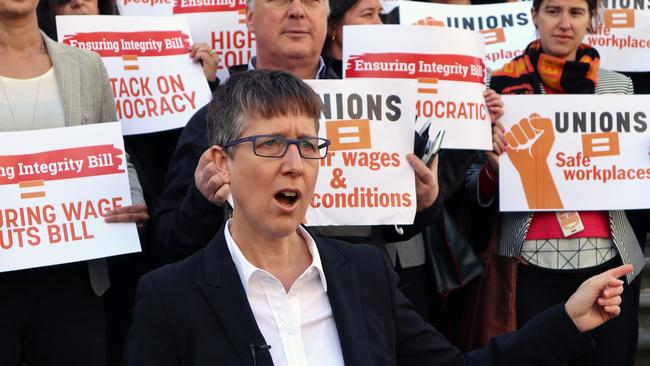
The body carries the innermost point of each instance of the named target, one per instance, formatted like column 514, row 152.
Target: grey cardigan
column 87, row 98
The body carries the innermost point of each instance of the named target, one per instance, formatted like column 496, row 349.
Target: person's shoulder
column 194, row 131
column 198, row 119
column 612, row 82
column 332, row 71
column 237, row 68
column 179, row 274
column 363, row 254
column 84, row 56
column 372, row 270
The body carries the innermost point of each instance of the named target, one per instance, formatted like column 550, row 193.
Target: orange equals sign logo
column 619, row 18
column 492, row 36
column 427, row 86
column 348, row 134
column 601, row 144
column 130, row 62
column 242, row 16
column 34, row 189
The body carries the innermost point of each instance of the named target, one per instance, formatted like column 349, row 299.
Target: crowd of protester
column 81, row 313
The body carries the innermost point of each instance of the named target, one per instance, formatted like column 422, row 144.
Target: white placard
column 56, row 184
column 365, row 180
column 446, row 62
column 639, row 5
column 222, row 25
column 575, row 152
column 506, row 27
column 623, row 40
column 156, row 84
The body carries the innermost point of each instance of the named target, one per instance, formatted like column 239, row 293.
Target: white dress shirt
column 298, row 324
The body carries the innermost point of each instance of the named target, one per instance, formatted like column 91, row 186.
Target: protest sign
column 575, row 152
column 156, row 84
column 623, row 40
column 507, row 27
column 446, row 62
column 56, row 184
column 222, row 25
column 365, row 178
column 145, row 7
column 641, row 5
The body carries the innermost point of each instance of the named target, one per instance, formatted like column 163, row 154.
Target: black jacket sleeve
column 184, row 220
column 550, row 338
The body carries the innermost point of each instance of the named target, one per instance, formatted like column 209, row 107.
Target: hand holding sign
column 494, row 104
column 530, row 143
column 133, row 213
column 426, row 182
column 208, row 57
column 499, row 145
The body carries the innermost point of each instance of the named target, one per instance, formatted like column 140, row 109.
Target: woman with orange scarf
column 553, row 263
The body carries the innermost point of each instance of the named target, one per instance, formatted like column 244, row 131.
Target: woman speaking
column 264, row 291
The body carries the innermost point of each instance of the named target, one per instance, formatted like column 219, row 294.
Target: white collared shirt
column 298, row 324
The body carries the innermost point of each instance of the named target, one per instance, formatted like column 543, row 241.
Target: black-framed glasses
column 274, row 146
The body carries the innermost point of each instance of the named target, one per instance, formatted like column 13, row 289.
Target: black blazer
column 195, row 312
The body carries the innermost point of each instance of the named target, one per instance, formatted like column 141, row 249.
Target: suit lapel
column 225, row 294
column 343, row 292
column 67, row 72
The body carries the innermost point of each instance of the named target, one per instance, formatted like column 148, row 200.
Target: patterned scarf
column 525, row 73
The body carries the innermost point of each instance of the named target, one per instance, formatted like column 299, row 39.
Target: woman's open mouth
column 287, row 198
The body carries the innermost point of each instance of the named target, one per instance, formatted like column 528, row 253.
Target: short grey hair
column 258, row 94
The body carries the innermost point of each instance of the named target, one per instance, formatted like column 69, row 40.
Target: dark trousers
column 616, row 340
column 50, row 316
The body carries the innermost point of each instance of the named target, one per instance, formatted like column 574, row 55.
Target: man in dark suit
column 265, row 292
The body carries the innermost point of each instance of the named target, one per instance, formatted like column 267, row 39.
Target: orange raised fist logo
column 530, row 142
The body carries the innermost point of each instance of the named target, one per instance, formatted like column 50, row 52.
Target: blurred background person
column 347, row 12
column 150, row 153
column 550, row 270
column 54, row 315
